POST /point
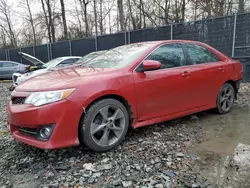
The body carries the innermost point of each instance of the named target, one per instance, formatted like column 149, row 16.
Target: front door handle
column 186, row 74
column 221, row 68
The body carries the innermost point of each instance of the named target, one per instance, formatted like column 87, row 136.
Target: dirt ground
column 202, row 150
column 220, row 148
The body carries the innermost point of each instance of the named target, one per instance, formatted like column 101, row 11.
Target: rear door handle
column 186, row 74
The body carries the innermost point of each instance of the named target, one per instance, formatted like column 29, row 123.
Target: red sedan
column 133, row 85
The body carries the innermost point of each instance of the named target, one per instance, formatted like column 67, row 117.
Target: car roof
column 4, row 61
column 157, row 42
column 8, row 61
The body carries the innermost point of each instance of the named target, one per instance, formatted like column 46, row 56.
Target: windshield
column 119, row 57
column 89, row 56
column 52, row 63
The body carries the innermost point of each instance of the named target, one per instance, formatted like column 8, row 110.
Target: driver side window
column 169, row 55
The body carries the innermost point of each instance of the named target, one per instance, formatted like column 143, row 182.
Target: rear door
column 208, row 74
column 8, row 68
column 166, row 90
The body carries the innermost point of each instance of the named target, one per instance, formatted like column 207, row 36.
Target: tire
column 105, row 119
column 225, row 99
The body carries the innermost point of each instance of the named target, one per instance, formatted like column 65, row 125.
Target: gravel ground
column 154, row 156
column 244, row 95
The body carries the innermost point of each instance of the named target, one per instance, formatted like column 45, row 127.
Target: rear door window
column 8, row 64
column 200, row 55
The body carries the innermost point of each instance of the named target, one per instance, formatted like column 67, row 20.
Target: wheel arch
column 109, row 96
column 112, row 96
column 234, row 84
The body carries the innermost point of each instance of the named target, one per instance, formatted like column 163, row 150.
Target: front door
column 8, row 68
column 164, row 91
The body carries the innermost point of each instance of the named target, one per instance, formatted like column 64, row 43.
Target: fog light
column 45, row 132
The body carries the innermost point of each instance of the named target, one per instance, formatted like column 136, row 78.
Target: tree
column 131, row 15
column 51, row 20
column 101, row 17
column 3, row 38
column 84, row 5
column 121, row 13
column 46, row 21
column 78, row 26
column 183, row 8
column 148, row 13
column 64, row 20
column 50, row 17
column 95, row 17
column 6, row 22
column 27, row 15
column 241, row 6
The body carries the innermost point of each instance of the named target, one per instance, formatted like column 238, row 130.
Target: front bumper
column 64, row 115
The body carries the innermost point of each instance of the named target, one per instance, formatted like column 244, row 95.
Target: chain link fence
column 229, row 34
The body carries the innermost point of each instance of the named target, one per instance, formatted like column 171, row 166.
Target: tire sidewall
column 85, row 135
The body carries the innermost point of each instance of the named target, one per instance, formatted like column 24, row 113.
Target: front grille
column 28, row 131
column 18, row 100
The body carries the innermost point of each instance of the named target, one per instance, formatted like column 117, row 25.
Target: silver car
column 61, row 61
column 7, row 68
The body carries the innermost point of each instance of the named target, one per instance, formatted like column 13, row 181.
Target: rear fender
column 235, row 70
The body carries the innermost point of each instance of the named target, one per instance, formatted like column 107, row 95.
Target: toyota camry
column 133, row 85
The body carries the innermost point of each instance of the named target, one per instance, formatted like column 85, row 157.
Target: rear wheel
column 105, row 125
column 225, row 99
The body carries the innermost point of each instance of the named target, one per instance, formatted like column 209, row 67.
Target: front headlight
column 41, row 98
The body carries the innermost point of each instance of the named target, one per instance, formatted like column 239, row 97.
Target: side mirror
column 150, row 65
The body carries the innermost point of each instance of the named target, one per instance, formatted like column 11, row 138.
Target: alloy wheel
column 108, row 125
column 226, row 98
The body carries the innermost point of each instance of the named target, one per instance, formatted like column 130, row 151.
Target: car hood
column 31, row 59
column 62, row 79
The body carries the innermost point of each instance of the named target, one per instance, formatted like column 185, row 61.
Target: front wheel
column 105, row 125
column 225, row 99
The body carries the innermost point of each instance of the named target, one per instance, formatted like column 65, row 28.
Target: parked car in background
column 50, row 66
column 7, row 68
column 19, row 78
column 35, row 63
column 89, row 56
column 133, row 85
column 80, row 61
